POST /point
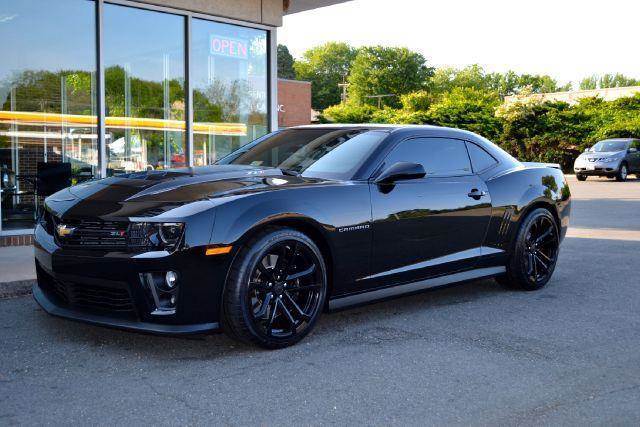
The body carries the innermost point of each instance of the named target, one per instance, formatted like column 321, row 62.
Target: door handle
column 477, row 194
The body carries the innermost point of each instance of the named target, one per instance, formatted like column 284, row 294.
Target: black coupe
column 297, row 222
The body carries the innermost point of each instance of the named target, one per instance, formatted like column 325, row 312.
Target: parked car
column 300, row 221
column 613, row 158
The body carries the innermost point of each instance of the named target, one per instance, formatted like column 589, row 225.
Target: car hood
column 601, row 155
column 152, row 193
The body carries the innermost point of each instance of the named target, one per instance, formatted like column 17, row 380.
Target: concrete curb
column 15, row 289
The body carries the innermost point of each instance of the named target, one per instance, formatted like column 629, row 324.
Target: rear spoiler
column 541, row 165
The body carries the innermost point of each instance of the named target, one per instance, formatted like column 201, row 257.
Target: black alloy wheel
column 541, row 249
column 277, row 293
column 535, row 253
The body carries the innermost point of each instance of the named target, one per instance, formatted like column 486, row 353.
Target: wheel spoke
column 539, row 261
column 304, row 287
column 530, row 270
column 264, row 307
column 285, row 258
column 272, row 318
column 302, row 273
column 302, row 314
column 287, row 314
column 545, row 257
column 544, row 236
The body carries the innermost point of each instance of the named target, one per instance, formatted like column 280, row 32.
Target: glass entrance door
column 48, row 137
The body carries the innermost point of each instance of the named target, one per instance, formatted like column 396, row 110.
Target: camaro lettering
column 353, row 228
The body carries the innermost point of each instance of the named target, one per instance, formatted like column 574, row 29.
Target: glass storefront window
column 48, row 137
column 49, row 86
column 229, row 79
column 145, row 86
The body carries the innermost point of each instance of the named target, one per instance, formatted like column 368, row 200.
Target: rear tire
column 623, row 173
column 534, row 252
column 581, row 177
column 276, row 289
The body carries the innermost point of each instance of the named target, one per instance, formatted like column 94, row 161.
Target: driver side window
column 438, row 156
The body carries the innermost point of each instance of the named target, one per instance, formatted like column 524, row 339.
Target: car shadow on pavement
column 217, row 345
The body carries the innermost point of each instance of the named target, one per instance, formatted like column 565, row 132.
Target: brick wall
column 294, row 103
column 22, row 240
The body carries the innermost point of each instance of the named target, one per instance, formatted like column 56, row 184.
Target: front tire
column 581, row 177
column 276, row 289
column 623, row 173
column 534, row 252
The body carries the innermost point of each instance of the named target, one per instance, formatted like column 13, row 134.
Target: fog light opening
column 171, row 279
column 162, row 288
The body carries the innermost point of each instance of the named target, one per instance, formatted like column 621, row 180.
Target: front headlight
column 157, row 236
column 611, row 159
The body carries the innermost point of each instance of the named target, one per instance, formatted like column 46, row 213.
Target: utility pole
column 343, row 86
column 379, row 97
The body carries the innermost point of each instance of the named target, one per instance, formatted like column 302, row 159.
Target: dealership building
column 95, row 88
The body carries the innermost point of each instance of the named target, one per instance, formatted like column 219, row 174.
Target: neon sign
column 228, row 47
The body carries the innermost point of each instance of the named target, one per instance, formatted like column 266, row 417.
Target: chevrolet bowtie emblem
column 64, row 230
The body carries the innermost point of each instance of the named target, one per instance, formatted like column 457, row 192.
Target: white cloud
column 7, row 18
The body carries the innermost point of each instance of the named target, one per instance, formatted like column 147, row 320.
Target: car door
column 428, row 226
column 634, row 157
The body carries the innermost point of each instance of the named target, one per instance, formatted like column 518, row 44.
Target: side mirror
column 632, row 150
column 400, row 171
column 586, row 150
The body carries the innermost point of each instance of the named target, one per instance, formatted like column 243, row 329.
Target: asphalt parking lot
column 471, row 354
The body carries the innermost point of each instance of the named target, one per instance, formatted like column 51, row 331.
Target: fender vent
column 503, row 230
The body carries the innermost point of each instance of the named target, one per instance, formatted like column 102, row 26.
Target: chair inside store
column 22, row 194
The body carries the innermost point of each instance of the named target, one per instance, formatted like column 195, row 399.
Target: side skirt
column 397, row 290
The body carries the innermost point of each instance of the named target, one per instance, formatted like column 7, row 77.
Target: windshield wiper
column 290, row 172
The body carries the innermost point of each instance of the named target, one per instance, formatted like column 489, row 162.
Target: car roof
column 363, row 125
column 439, row 131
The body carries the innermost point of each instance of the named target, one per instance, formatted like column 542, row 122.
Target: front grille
column 95, row 234
column 87, row 297
column 101, row 235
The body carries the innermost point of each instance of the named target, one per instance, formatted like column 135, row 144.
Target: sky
column 567, row 39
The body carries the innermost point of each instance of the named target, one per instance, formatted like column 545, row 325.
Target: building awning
column 295, row 6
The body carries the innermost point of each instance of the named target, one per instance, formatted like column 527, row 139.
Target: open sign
column 229, row 47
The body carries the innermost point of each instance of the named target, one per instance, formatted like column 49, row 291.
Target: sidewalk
column 17, row 270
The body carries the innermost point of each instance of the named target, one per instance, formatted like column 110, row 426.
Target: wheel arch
column 305, row 225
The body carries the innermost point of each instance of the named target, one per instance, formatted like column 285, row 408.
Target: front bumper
column 597, row 168
column 119, row 323
column 108, row 289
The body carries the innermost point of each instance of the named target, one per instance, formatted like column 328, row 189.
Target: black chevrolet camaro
column 298, row 222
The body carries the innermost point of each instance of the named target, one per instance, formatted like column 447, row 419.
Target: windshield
column 604, row 146
column 320, row 153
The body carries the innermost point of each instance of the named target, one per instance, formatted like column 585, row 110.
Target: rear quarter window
column 480, row 159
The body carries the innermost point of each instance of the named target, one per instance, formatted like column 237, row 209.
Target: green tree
column 379, row 70
column 607, row 80
column 325, row 67
column 505, row 84
column 468, row 108
column 285, row 63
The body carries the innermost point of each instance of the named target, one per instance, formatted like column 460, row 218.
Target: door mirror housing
column 632, row 150
column 401, row 171
column 586, row 150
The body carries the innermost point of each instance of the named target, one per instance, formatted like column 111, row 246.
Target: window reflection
column 144, row 80
column 229, row 75
column 47, row 103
